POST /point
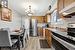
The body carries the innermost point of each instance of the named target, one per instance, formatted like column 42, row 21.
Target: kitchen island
column 61, row 39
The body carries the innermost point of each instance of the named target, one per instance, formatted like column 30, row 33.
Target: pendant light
column 29, row 12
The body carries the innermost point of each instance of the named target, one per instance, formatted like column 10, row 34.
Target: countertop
column 58, row 31
column 62, row 33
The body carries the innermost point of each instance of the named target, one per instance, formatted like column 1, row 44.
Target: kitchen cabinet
column 40, row 31
column 68, row 2
column 48, row 37
column 45, row 19
column 60, row 5
column 64, row 3
column 40, row 19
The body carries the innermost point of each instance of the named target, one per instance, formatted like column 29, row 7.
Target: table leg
column 18, row 42
column 0, row 48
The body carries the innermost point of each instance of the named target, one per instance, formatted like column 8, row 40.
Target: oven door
column 71, row 32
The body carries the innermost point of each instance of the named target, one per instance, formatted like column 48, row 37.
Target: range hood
column 69, row 10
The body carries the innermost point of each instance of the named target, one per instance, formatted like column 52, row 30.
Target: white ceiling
column 39, row 7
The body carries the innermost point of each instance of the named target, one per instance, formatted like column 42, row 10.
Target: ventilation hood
column 69, row 10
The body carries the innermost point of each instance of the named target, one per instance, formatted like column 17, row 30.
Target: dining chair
column 22, row 37
column 6, row 41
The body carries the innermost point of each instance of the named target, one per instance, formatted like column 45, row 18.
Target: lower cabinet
column 48, row 37
column 40, row 31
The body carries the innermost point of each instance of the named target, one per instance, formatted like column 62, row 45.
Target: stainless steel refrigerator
column 33, row 27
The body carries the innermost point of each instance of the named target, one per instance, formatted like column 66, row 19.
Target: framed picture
column 6, row 14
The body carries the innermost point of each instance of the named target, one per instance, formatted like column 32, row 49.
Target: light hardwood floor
column 32, row 44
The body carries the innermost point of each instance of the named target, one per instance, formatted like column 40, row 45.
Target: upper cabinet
column 66, row 8
column 68, row 2
column 64, row 3
column 60, row 4
column 40, row 19
column 48, row 18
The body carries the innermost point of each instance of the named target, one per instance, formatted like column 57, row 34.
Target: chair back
column 5, row 40
column 23, row 32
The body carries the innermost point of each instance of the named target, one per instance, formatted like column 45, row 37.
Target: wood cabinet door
column 49, row 41
column 64, row 3
column 68, row 2
column 48, row 37
column 45, row 19
column 40, row 31
column 60, row 4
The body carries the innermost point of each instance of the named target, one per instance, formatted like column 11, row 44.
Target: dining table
column 17, row 34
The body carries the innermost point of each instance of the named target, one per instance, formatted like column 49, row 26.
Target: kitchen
column 46, row 24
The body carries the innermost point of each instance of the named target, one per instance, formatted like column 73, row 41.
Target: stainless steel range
column 71, row 32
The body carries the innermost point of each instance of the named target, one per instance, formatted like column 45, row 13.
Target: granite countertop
column 58, row 31
column 62, row 33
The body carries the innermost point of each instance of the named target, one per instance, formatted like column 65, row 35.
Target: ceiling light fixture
column 30, row 12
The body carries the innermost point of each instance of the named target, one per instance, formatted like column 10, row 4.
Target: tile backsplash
column 63, row 23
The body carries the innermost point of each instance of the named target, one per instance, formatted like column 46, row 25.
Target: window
column 54, row 16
